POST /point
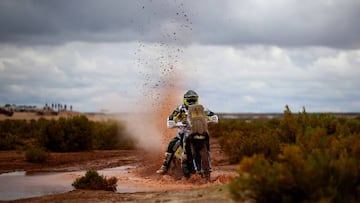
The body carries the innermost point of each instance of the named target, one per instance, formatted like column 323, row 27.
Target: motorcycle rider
column 180, row 115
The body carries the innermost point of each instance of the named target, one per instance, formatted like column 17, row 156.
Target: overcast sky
column 239, row 55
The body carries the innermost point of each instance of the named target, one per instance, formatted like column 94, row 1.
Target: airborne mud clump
column 163, row 71
column 161, row 67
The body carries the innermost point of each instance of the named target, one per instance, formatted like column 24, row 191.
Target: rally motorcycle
column 193, row 150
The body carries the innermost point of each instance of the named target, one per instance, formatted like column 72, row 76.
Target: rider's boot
column 163, row 169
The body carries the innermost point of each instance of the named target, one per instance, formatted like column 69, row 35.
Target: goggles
column 191, row 100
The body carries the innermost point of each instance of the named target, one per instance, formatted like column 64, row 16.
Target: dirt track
column 161, row 188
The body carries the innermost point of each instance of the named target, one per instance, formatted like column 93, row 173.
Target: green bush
column 240, row 138
column 288, row 127
column 8, row 141
column 72, row 134
column 354, row 126
column 36, row 155
column 65, row 135
column 9, row 136
column 111, row 135
column 299, row 177
column 318, row 160
column 93, row 181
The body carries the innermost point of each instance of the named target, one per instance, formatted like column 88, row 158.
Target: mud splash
column 161, row 91
column 162, row 69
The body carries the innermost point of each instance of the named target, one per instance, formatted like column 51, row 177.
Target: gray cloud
column 52, row 22
column 281, row 23
column 243, row 56
column 76, row 72
column 263, row 78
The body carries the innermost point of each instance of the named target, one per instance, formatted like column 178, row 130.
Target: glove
column 214, row 119
column 170, row 123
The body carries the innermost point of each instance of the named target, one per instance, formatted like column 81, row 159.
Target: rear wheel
column 201, row 158
column 205, row 162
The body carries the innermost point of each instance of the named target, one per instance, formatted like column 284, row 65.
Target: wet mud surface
column 135, row 171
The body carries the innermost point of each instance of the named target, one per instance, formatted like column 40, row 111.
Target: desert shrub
column 321, row 165
column 218, row 129
column 51, row 136
column 79, row 134
column 8, row 141
column 16, row 134
column 247, row 145
column 111, row 134
column 36, row 155
column 16, row 127
column 258, row 179
column 299, row 177
column 288, row 127
column 66, row 134
column 248, row 139
column 105, row 135
column 230, row 143
column 226, row 126
column 353, row 125
column 76, row 133
column 93, row 181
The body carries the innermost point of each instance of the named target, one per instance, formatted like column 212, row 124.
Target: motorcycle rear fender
column 199, row 137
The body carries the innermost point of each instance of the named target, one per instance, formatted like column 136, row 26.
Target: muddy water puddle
column 19, row 185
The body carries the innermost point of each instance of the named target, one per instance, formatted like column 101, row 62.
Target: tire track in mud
column 143, row 174
column 136, row 171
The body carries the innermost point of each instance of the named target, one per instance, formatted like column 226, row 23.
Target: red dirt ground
column 161, row 188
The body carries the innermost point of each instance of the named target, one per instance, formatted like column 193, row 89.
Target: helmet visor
column 191, row 101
